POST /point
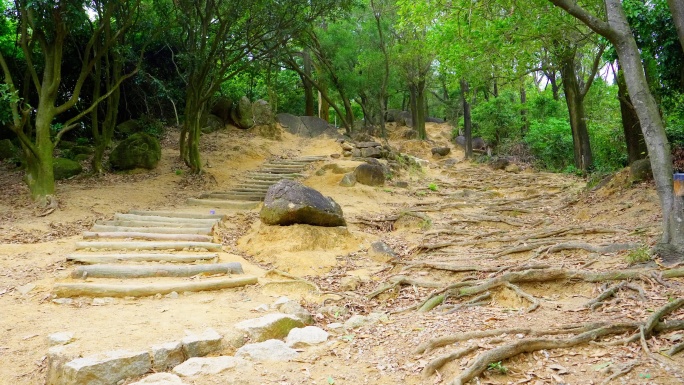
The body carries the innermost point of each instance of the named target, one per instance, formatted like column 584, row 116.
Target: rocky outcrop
column 242, row 114
column 137, row 151
column 289, row 202
column 370, row 174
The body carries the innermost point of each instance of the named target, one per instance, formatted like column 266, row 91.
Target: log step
column 234, row 196
column 267, row 175
column 147, row 236
column 148, row 245
column 129, row 223
column 141, row 290
column 224, row 204
column 177, row 221
column 158, row 230
column 140, row 257
column 147, row 271
column 277, row 171
column 174, row 214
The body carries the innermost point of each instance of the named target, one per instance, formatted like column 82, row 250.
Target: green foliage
column 604, row 123
column 638, row 255
column 673, row 106
column 497, row 367
column 433, row 187
column 6, row 98
column 551, row 143
column 151, row 126
column 498, row 119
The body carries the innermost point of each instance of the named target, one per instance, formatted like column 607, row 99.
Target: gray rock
column 478, row 143
column 367, row 144
column 441, row 151
column 410, row 134
column 106, row 369
column 513, row 168
column 270, row 326
column 137, row 151
column 291, row 124
column 370, row 174
column 381, row 252
column 356, row 153
column 263, row 114
column 356, row 321
column 57, row 357
column 167, row 355
column 199, row 345
column 61, row 338
column 401, row 184
column 214, row 123
column 347, row 154
column 66, row 168
column 371, row 152
column 348, row 180
column 302, row 337
column 316, row 126
column 297, row 310
column 242, row 114
column 222, row 108
column 128, row 128
column 160, row 379
column 207, row 365
column 640, row 170
column 289, row 202
column 271, row 350
column 499, row 163
column 347, row 146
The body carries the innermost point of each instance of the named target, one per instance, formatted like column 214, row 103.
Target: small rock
column 63, row 301
column 513, row 168
column 290, row 202
column 371, row 152
column 206, row 365
column 25, row 289
column 270, row 326
column 368, row 144
column 356, row 153
column 61, row 338
column 103, row 301
column 335, row 156
column 270, row 350
column 500, row 164
column 160, row 379
column 302, row 337
column 172, row 295
column 346, row 154
column 348, row 180
column 261, row 308
column 280, row 301
column 337, row 326
column 370, row 174
column 357, row 320
column 108, row 368
column 381, row 252
column 401, row 184
column 350, row 283
column 296, row 310
column 440, row 151
column 167, row 355
column 199, row 345
column 346, row 146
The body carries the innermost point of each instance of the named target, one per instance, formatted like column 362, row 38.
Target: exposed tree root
column 604, row 249
column 480, row 364
column 675, row 349
column 622, row 370
column 477, row 301
column 611, row 291
column 534, row 302
column 440, row 361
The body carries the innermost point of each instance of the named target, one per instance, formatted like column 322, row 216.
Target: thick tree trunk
column 677, row 9
column 323, row 107
column 413, row 96
column 634, row 138
column 574, row 99
column 467, row 122
column 190, row 133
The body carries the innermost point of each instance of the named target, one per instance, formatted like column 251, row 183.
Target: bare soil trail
column 513, row 257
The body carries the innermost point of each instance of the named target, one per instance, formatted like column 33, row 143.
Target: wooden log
column 140, row 257
column 174, row 214
column 146, row 271
column 148, row 245
column 128, row 223
column 157, row 230
column 141, row 290
column 235, row 196
column 147, row 236
column 155, row 218
column 236, row 205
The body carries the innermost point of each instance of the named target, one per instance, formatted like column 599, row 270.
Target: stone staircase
column 251, row 189
column 145, row 253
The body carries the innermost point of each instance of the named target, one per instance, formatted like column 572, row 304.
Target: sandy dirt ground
column 479, row 212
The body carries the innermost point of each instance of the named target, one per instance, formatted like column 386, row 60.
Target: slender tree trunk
column 419, row 123
column 523, row 110
column 555, row 89
column 634, row 138
column 574, row 99
column 467, row 122
column 677, row 9
column 309, row 109
column 413, row 104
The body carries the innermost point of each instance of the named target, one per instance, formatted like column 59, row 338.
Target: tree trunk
column 309, row 109
column 467, row 122
column 190, row 133
column 574, row 99
column 677, row 9
column 419, row 123
column 554, row 84
column 523, row 110
column 323, row 107
column 413, row 96
column 634, row 138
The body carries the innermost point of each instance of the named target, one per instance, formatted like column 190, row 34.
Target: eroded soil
column 456, row 221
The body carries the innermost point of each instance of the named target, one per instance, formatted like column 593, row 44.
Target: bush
column 498, row 119
column 551, row 143
column 151, row 126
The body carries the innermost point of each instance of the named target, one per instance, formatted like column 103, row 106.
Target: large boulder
column 242, row 114
column 137, row 151
column 7, row 149
column 370, row 174
column 127, row 128
column 213, row 123
column 263, row 114
column 289, row 202
column 66, row 168
column 316, row 126
column 640, row 170
column 222, row 108
column 291, row 123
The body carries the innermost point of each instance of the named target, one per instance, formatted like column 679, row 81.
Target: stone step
column 158, row 230
column 141, row 257
column 274, row 177
column 256, row 182
column 224, row 204
column 148, row 245
column 279, row 171
column 154, row 218
column 130, row 223
column 248, row 189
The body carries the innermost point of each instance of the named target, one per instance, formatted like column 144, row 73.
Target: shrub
column 551, row 143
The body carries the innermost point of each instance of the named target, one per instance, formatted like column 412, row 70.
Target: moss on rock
column 66, row 168
column 137, row 151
